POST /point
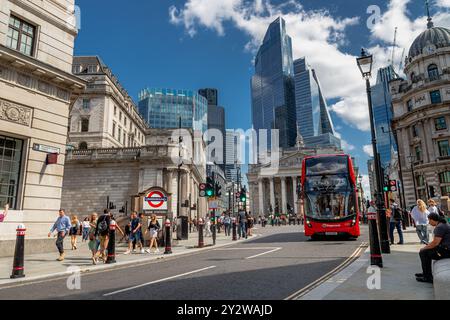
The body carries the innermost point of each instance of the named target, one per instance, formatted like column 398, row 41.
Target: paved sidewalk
column 397, row 277
column 41, row 266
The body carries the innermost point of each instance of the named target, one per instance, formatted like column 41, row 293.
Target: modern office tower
column 216, row 120
column 162, row 109
column 313, row 117
column 382, row 114
column 272, row 86
column 232, row 145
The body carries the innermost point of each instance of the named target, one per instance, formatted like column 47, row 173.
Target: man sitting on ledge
column 438, row 249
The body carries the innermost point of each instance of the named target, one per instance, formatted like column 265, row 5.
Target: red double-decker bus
column 330, row 198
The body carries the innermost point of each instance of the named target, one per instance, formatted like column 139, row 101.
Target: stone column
column 294, row 188
column 169, row 189
column 261, row 196
column 283, row 195
column 272, row 193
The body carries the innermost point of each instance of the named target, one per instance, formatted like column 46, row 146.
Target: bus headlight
column 308, row 223
column 353, row 223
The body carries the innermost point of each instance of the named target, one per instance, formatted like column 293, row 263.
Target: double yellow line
column 355, row 255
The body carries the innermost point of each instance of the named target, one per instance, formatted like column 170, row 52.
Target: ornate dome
column 437, row 36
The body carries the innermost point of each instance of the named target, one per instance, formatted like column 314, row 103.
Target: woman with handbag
column 153, row 227
column 93, row 240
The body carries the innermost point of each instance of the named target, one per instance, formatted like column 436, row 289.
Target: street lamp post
column 365, row 66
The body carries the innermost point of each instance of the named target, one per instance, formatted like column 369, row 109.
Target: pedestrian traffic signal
column 202, row 190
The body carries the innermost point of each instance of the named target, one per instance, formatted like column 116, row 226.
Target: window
column 415, row 131
column 20, row 36
column 433, row 72
column 125, row 121
column 92, row 69
column 413, row 77
column 440, row 124
column 114, row 130
column 435, row 96
column 85, row 125
column 444, row 148
column 409, row 105
column 418, row 152
column 76, row 68
column 11, row 151
column 420, row 181
column 444, row 177
column 86, row 103
column 119, row 136
column 115, row 110
column 83, row 146
column 120, row 116
column 124, row 139
column 445, row 191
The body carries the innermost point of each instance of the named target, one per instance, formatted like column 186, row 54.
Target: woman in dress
column 75, row 225
column 86, row 227
column 93, row 241
column 153, row 227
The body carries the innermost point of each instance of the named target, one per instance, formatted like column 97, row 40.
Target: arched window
column 83, row 146
column 433, row 72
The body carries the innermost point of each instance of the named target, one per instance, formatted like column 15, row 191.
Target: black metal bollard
column 168, row 238
column 375, row 250
column 112, row 243
column 234, row 230
column 214, row 231
column 18, row 266
column 201, row 242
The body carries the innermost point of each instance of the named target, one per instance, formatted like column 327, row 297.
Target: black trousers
column 427, row 256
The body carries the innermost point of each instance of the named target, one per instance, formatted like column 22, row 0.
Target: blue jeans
column 86, row 234
column 422, row 232
column 393, row 226
column 227, row 229
column 242, row 231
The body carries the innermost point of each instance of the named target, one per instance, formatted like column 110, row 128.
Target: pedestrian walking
column 396, row 218
column 74, row 229
column 433, row 208
column 62, row 225
column 208, row 227
column 420, row 216
column 126, row 235
column 227, row 224
column 94, row 242
column 102, row 232
column 118, row 228
column 438, row 249
column 250, row 222
column 4, row 213
column 242, row 224
column 134, row 235
column 153, row 228
column 86, row 227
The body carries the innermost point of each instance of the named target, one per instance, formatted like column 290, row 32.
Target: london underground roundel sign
column 155, row 200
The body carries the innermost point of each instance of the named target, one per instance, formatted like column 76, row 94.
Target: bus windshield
column 329, row 197
column 326, row 166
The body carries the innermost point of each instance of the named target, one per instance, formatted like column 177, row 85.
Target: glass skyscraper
column 382, row 114
column 272, row 86
column 162, row 108
column 313, row 117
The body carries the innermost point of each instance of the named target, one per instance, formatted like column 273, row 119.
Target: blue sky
column 190, row 44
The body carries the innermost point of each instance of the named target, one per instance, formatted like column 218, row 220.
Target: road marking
column 261, row 254
column 158, row 281
column 255, row 248
column 354, row 256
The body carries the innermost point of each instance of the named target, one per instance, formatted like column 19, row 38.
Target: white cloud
column 368, row 149
column 318, row 36
column 346, row 146
column 366, row 185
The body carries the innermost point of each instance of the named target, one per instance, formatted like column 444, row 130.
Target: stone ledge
column 441, row 275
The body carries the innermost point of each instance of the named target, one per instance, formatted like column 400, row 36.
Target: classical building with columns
column 421, row 122
column 274, row 189
column 37, row 90
column 122, row 174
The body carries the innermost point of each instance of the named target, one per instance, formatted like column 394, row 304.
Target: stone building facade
column 104, row 116
column 37, row 90
column 421, row 106
column 93, row 175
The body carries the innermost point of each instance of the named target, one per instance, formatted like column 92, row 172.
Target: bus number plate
column 331, row 233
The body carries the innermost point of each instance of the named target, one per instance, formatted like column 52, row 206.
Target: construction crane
column 394, row 44
column 400, row 66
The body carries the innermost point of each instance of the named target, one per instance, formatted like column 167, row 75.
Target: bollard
column 112, row 243
column 18, row 266
column 214, row 230
column 201, row 242
column 168, row 238
column 234, row 230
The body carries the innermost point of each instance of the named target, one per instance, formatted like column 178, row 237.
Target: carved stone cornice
column 16, row 113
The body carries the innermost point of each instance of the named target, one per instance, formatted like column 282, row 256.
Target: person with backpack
column 153, row 227
column 438, row 249
column 134, row 235
column 93, row 243
column 420, row 216
column 102, row 231
column 395, row 221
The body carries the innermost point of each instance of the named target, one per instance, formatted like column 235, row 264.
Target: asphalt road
column 274, row 265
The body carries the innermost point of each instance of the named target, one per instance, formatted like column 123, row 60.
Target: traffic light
column 243, row 195
column 202, row 190
column 209, row 187
column 392, row 185
column 217, row 190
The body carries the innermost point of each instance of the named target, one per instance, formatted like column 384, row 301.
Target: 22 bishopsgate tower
column 287, row 94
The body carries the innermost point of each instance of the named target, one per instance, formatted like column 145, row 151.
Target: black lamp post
column 365, row 63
